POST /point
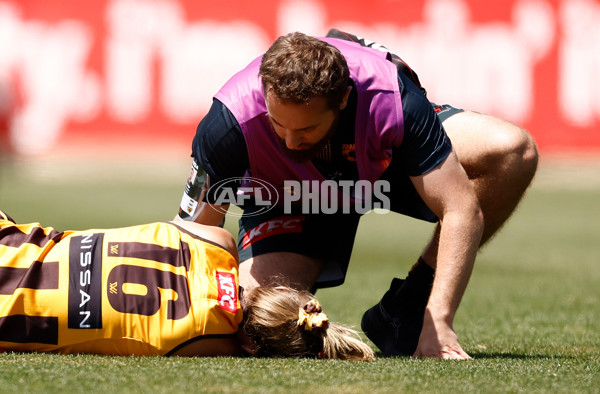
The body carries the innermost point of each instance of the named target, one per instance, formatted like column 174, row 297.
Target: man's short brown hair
column 298, row 68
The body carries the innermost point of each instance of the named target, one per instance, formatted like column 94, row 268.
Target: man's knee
column 529, row 153
column 518, row 147
column 515, row 156
column 487, row 144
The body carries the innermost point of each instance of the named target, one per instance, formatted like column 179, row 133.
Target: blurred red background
column 96, row 76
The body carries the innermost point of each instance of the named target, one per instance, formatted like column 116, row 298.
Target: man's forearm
column 211, row 215
column 458, row 244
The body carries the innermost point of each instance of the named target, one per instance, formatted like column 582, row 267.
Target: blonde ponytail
column 284, row 322
column 343, row 343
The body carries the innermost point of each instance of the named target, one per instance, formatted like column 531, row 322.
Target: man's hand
column 438, row 340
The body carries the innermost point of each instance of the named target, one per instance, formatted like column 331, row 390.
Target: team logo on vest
column 280, row 225
column 227, row 291
column 349, row 152
column 239, row 191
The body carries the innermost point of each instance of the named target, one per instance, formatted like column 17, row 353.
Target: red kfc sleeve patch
column 227, row 297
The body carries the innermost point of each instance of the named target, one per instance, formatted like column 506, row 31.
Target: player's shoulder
column 212, row 234
column 219, row 146
column 415, row 104
column 218, row 121
column 218, row 127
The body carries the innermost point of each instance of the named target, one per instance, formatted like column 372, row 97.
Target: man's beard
column 304, row 155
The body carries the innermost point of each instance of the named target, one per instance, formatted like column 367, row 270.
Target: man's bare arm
column 450, row 195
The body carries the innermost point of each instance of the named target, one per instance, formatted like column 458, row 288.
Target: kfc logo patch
column 227, row 297
column 282, row 225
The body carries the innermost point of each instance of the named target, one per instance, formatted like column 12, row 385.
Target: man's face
column 302, row 129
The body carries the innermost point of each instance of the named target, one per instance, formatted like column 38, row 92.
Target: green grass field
column 530, row 317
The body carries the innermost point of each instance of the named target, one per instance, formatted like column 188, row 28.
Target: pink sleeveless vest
column 379, row 124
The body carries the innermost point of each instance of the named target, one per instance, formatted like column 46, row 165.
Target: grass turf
column 530, row 316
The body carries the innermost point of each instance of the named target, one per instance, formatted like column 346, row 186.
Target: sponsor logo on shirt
column 85, row 276
column 281, row 225
column 227, row 296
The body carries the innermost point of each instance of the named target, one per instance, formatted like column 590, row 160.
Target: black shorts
column 329, row 237
column 445, row 111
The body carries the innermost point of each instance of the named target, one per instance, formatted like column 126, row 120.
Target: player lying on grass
column 156, row 289
column 321, row 130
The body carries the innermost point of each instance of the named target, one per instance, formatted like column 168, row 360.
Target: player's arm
column 449, row 194
column 211, row 215
column 427, row 156
column 194, row 206
column 219, row 153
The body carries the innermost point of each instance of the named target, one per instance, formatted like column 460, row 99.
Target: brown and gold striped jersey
column 141, row 290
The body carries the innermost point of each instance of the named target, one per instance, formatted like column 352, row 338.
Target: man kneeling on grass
column 156, row 289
